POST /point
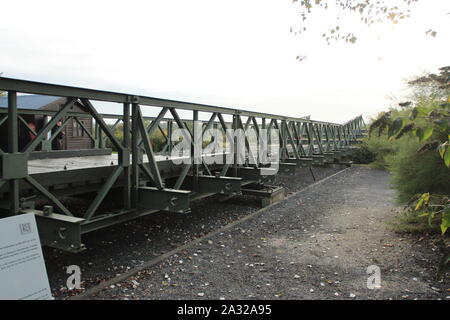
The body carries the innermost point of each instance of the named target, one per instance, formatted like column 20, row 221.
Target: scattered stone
column 135, row 282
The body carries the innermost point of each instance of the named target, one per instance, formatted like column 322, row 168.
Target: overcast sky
column 229, row 53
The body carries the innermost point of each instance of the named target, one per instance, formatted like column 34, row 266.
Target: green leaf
column 405, row 129
column 445, row 222
column 422, row 110
column 447, row 157
column 427, row 133
column 419, row 133
column 424, row 199
column 414, row 114
column 395, row 127
column 441, row 150
column 430, row 219
column 419, row 204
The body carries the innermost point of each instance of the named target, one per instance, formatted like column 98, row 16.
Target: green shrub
column 380, row 147
column 405, row 141
column 414, row 173
column 363, row 155
column 157, row 139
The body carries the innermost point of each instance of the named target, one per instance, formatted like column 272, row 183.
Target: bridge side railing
column 298, row 138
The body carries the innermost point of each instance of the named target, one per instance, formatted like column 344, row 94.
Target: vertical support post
column 169, row 135
column 284, row 151
column 97, row 135
column 13, row 147
column 134, row 156
column 100, row 138
column 46, row 146
column 235, row 145
column 126, row 145
column 194, row 145
column 263, row 158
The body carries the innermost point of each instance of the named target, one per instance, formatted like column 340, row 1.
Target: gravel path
column 115, row 250
column 315, row 245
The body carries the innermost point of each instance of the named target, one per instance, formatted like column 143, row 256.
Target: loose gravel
column 113, row 251
column 318, row 244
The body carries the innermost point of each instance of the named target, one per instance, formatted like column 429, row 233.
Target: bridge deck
column 38, row 166
column 74, row 163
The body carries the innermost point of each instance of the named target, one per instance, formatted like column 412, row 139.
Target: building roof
column 29, row 101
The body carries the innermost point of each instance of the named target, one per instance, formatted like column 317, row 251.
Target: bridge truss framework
column 145, row 181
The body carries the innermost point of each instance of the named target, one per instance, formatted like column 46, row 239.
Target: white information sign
column 22, row 269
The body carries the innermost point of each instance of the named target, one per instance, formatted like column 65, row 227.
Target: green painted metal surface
column 147, row 182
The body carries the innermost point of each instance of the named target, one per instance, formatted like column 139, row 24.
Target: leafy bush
column 381, row 148
column 157, row 139
column 363, row 155
column 414, row 173
column 420, row 152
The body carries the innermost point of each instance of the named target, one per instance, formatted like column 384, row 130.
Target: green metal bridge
column 142, row 180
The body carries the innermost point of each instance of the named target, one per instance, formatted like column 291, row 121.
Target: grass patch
column 412, row 223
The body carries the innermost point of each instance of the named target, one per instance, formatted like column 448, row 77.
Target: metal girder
column 67, row 91
column 302, row 162
column 267, row 193
column 257, row 174
column 47, row 194
column 154, row 124
column 153, row 166
column 328, row 157
column 212, row 184
column 103, row 191
column 13, row 165
column 165, row 200
column 102, row 124
column 318, row 160
column 59, row 231
column 337, row 154
column 46, row 129
column 304, row 142
column 287, row 168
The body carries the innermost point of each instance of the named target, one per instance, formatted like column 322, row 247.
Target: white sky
column 229, row 53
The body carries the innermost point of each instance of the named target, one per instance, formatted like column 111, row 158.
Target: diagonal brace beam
column 149, row 150
column 43, row 132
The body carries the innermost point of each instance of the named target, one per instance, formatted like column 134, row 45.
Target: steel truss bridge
column 143, row 181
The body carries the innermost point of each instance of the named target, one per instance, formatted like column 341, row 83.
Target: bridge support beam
column 58, row 231
column 303, row 162
column 266, row 193
column 257, row 174
column 318, row 160
column 212, row 184
column 287, row 168
column 171, row 200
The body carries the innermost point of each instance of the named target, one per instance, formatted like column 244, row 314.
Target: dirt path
column 317, row 244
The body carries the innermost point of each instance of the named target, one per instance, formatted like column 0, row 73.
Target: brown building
column 73, row 136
